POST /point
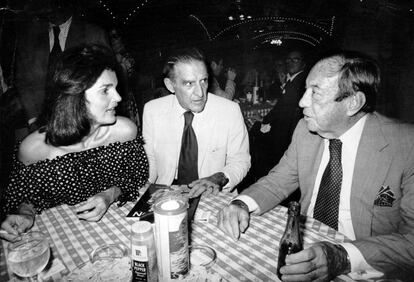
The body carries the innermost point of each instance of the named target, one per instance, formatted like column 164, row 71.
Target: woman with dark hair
column 83, row 154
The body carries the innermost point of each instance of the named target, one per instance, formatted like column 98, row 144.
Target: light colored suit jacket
column 222, row 138
column 385, row 158
column 32, row 58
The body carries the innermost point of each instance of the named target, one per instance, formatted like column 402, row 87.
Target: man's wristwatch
column 240, row 204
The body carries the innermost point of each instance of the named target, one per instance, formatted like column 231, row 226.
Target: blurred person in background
column 272, row 135
column 53, row 28
column 221, row 83
column 126, row 73
column 83, row 154
column 278, row 81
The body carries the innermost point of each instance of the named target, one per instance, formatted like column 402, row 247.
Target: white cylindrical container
column 171, row 237
column 255, row 95
column 143, row 253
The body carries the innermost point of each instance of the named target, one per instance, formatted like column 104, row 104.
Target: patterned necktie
column 327, row 202
column 187, row 164
column 56, row 49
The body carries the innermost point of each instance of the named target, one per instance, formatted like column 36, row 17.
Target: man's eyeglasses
column 293, row 60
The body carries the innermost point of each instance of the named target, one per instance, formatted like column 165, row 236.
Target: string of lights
column 202, row 25
column 292, row 38
column 130, row 15
column 106, row 7
column 285, row 34
column 303, row 21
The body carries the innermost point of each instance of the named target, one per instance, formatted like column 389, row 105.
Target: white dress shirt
column 64, row 30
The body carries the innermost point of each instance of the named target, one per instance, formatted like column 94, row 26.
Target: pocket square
column 385, row 197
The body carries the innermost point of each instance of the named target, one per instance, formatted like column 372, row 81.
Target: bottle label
column 139, row 253
column 140, row 266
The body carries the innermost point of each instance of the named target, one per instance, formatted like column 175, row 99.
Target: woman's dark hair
column 65, row 117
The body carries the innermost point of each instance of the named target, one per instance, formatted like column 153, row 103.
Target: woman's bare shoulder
column 123, row 130
column 34, row 148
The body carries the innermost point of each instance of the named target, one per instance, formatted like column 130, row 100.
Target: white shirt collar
column 353, row 135
column 63, row 26
column 180, row 110
column 63, row 34
column 292, row 77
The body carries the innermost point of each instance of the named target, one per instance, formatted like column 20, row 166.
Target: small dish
column 109, row 251
column 201, row 255
column 108, row 263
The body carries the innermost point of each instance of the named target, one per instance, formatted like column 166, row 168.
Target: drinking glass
column 29, row 255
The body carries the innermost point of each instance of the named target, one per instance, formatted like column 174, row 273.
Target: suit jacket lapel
column 308, row 168
column 205, row 132
column 75, row 35
column 175, row 131
column 371, row 165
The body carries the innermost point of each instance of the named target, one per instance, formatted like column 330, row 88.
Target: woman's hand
column 94, row 208
column 16, row 224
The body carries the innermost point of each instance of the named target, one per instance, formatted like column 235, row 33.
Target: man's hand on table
column 234, row 219
column 323, row 261
column 94, row 208
column 212, row 184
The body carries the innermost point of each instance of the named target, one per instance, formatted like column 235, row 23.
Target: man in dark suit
column 38, row 40
column 272, row 136
column 355, row 169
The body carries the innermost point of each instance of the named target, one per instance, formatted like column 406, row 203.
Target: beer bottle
column 291, row 241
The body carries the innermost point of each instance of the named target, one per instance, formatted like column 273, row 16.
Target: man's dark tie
column 187, row 164
column 287, row 84
column 56, row 49
column 327, row 202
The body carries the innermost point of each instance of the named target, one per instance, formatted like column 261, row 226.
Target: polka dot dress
column 74, row 177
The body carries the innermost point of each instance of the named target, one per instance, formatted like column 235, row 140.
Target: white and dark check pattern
column 252, row 258
column 327, row 202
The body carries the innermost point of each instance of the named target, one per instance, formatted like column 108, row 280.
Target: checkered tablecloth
column 253, row 113
column 261, row 109
column 252, row 258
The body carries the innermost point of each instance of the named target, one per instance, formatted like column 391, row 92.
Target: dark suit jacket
column 282, row 118
column 385, row 158
column 32, row 57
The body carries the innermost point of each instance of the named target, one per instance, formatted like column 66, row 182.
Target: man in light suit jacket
column 35, row 41
column 223, row 145
column 376, row 204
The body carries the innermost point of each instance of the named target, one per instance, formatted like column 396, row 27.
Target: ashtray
column 109, row 251
column 108, row 263
column 201, row 255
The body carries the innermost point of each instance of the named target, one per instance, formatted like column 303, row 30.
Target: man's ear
column 169, row 84
column 355, row 103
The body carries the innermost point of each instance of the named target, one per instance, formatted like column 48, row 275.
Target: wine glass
column 29, row 255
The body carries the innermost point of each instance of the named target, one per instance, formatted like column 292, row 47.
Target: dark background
column 149, row 28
